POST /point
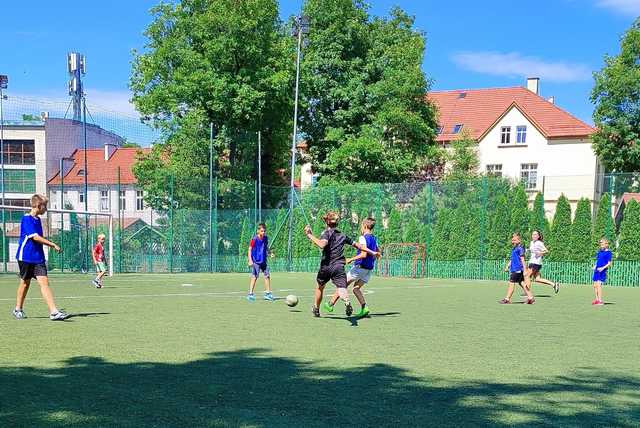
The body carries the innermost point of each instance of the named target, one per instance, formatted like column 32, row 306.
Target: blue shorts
column 257, row 267
column 600, row 276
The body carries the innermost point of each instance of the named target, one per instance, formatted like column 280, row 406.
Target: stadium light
column 4, row 83
column 300, row 29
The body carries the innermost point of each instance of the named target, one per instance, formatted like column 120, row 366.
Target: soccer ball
column 291, row 300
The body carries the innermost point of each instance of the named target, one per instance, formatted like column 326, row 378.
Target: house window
column 123, row 200
column 139, row 200
column 457, row 128
column 462, row 95
column 81, row 172
column 439, row 130
column 494, row 170
column 81, row 197
column 529, row 175
column 65, row 200
column 104, row 200
column 19, row 152
column 505, row 135
column 521, row 134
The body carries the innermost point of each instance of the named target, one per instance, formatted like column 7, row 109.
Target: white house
column 523, row 136
column 112, row 187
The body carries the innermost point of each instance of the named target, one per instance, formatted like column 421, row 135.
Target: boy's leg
column 527, row 278
column 23, row 288
column 358, row 293
column 47, row 294
column 510, row 289
column 527, row 291
column 597, row 288
column 267, row 280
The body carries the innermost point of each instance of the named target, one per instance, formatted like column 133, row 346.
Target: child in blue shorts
column 604, row 259
column 257, row 260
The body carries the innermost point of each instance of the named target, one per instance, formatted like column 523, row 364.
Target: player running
column 332, row 243
column 515, row 267
column 363, row 264
column 538, row 251
column 99, row 261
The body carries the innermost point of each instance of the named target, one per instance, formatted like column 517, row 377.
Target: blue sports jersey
column 259, row 248
column 369, row 261
column 30, row 251
column 603, row 257
column 517, row 253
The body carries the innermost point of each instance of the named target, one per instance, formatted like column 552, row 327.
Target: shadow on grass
column 253, row 388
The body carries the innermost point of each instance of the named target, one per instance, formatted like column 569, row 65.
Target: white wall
column 564, row 166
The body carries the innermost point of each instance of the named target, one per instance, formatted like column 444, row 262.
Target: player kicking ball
column 360, row 272
column 332, row 243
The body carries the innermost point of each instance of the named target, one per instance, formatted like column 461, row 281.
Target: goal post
column 74, row 230
column 403, row 259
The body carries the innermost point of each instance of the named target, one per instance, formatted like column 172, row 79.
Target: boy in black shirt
column 332, row 243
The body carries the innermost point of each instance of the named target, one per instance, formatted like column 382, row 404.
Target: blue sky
column 469, row 44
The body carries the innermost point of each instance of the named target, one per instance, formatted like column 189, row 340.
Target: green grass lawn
column 188, row 351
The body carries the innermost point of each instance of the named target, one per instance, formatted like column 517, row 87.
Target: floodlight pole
column 301, row 24
column 259, row 177
column 4, row 80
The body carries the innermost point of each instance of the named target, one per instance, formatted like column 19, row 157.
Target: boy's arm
column 40, row 240
column 320, row 243
column 508, row 266
column 249, row 259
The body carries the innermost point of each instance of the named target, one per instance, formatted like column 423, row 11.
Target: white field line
column 227, row 294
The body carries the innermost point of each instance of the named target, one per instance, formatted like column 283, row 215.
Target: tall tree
column 560, row 235
column 441, row 235
column 604, row 227
column 538, row 217
column 221, row 62
column 581, row 249
column 630, row 232
column 463, row 160
column 364, row 93
column 499, row 234
column 616, row 94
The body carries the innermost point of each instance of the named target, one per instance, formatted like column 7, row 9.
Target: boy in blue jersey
column 31, row 260
column 257, row 260
column 604, row 259
column 363, row 264
column 515, row 267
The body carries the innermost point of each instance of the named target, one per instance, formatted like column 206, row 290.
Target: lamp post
column 300, row 29
column 4, row 81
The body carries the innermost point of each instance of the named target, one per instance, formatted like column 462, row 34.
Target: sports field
column 189, row 351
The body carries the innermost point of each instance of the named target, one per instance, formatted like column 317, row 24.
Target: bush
column 441, row 235
column 520, row 212
column 581, row 233
column 630, row 232
column 560, row 234
column 499, row 234
column 604, row 226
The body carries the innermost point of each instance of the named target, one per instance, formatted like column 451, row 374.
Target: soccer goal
column 403, row 259
column 74, row 231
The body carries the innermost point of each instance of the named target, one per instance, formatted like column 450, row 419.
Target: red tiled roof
column 480, row 109
column 102, row 171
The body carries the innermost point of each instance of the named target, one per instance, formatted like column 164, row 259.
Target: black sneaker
column 315, row 311
column 19, row 314
column 556, row 287
column 59, row 316
column 348, row 309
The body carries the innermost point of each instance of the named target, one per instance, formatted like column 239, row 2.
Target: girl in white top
column 537, row 250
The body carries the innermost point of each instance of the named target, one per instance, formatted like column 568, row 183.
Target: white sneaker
column 19, row 314
column 59, row 316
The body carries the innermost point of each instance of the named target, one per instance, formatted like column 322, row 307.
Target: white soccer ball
column 291, row 300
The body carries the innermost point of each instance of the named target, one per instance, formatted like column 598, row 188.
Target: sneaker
column 599, row 303
column 59, row 316
column 19, row 314
column 327, row 307
column 363, row 312
column 95, row 283
column 556, row 287
column 315, row 311
column 531, row 301
column 269, row 297
column 504, row 301
column 348, row 309
column 251, row 297
column 594, row 302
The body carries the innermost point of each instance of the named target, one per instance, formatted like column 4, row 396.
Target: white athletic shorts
column 357, row 273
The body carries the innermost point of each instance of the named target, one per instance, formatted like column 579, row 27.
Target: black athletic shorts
column 334, row 273
column 32, row 270
column 516, row 277
column 535, row 268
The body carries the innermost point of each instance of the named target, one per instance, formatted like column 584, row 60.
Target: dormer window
column 462, row 95
column 439, row 130
column 457, row 128
column 81, row 172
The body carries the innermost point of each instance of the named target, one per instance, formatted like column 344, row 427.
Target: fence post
column 61, row 216
column 119, row 224
column 483, row 222
column 215, row 224
column 429, row 226
column 171, row 185
column 211, row 197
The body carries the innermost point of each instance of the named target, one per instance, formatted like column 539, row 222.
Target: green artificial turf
column 187, row 350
